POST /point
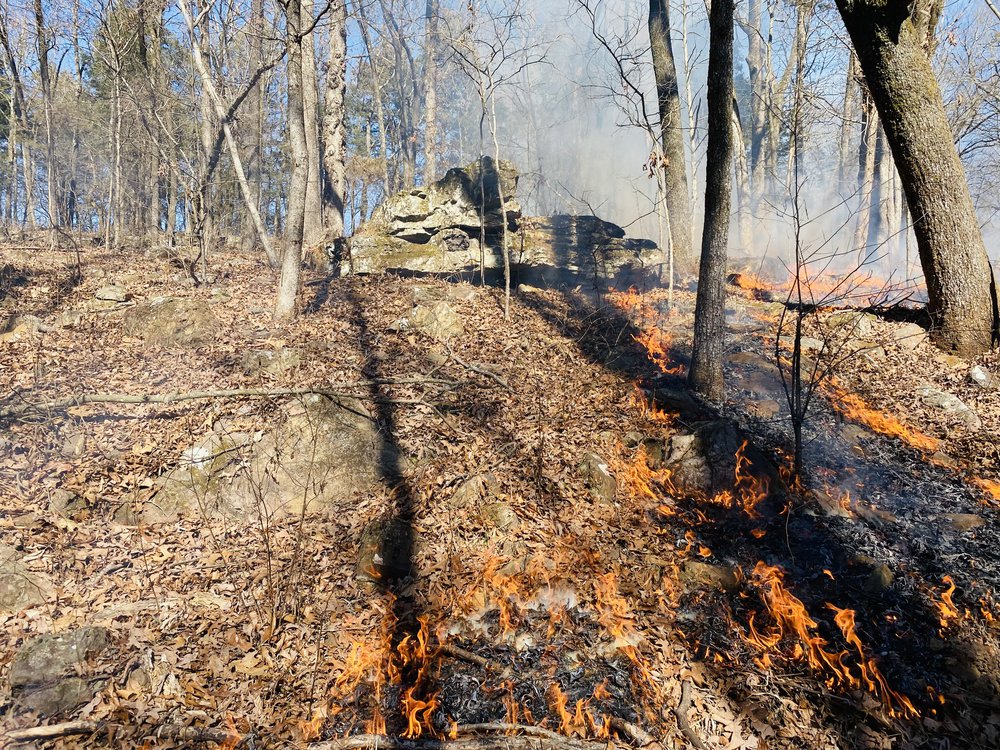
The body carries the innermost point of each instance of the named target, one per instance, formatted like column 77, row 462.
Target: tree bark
column 866, row 173
column 45, row 79
column 671, row 132
column 706, row 376
column 960, row 283
column 312, row 232
column 334, row 121
column 430, row 92
column 291, row 263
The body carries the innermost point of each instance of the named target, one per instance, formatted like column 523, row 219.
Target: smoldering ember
column 499, row 375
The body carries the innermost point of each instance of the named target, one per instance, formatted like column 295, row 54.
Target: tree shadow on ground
column 826, row 560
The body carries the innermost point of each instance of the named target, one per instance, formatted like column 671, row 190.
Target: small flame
column 991, row 487
column 853, row 407
column 946, row 607
column 751, row 489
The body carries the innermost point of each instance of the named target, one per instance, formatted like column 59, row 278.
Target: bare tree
column 706, row 376
column 890, row 43
column 671, row 132
column 291, row 262
column 334, row 121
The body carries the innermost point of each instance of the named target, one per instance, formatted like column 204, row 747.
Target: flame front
column 791, row 621
column 853, row 407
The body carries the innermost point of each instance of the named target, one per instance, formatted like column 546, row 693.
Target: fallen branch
column 480, row 370
column 636, row 734
column 682, row 720
column 51, row 731
column 27, row 409
column 457, row 652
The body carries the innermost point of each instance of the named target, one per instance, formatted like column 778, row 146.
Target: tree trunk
column 706, row 375
column 44, row 77
column 866, row 174
column 312, row 232
column 671, row 132
column 430, row 92
column 334, row 121
column 744, row 213
column 950, row 244
column 291, row 263
column 849, row 113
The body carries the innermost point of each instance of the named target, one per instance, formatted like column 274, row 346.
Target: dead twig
column 51, row 731
column 632, row 732
column 480, row 370
column 457, row 652
column 682, row 720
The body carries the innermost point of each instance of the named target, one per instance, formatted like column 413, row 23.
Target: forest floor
column 582, row 553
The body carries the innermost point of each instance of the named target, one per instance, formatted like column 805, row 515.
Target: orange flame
column 651, row 336
column 641, row 481
column 853, row 407
column 751, row 489
column 992, row 488
column 949, row 612
column 792, row 620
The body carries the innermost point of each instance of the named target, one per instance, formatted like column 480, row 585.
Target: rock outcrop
column 438, row 230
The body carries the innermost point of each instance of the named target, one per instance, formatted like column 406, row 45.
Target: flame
column 792, row 621
column 641, row 481
column 992, row 488
column 751, row 489
column 946, row 607
column 651, row 335
column 581, row 722
column 853, row 407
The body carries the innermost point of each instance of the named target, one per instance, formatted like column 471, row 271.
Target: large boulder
column 439, row 229
column 319, row 456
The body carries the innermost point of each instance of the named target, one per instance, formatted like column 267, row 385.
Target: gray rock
column 688, row 467
column 171, row 321
column 19, row 587
column 909, row 336
column 112, row 293
column 984, row 378
column 74, row 445
column 48, row 657
column 437, row 229
column 697, row 573
column 600, row 482
column 765, row 408
column 438, row 320
column 45, row 674
column 965, row 521
column 318, row 458
column 499, row 515
column 474, row 490
column 880, row 579
column 270, row 361
column 67, row 504
column 69, row 319
column 851, row 324
column 949, row 404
